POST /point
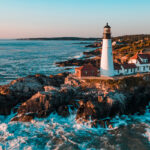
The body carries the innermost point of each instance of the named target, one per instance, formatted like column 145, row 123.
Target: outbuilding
column 86, row 70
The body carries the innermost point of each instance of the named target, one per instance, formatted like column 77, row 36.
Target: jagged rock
column 112, row 104
column 23, row 118
column 79, row 62
column 50, row 88
column 40, row 95
column 43, row 103
column 63, row 111
column 22, row 89
column 72, row 81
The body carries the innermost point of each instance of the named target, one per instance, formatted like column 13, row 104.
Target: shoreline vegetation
column 124, row 47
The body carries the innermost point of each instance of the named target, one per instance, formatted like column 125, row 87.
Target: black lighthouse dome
column 107, row 32
column 107, row 26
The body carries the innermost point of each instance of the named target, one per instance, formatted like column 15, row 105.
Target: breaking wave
column 56, row 132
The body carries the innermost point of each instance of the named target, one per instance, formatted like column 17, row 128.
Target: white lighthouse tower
column 107, row 66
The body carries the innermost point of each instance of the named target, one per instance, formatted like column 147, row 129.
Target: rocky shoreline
column 91, row 100
column 96, row 101
column 89, row 57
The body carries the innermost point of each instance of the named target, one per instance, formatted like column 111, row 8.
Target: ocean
column 22, row 58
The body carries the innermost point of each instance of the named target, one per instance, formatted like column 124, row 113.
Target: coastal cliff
column 106, row 98
column 94, row 100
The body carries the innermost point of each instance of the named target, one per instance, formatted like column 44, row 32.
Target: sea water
column 22, row 58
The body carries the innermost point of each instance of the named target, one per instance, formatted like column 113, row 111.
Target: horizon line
column 69, row 37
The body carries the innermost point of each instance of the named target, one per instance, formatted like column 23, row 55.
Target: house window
column 149, row 67
column 145, row 60
column 118, row 71
column 127, row 70
column 138, row 68
column 144, row 68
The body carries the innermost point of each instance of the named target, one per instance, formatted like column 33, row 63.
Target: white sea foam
column 79, row 56
column 55, row 131
column 147, row 133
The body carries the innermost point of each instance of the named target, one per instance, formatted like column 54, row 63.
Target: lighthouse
column 107, row 66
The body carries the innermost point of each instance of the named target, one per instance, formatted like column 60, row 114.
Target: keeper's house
column 139, row 63
column 142, row 62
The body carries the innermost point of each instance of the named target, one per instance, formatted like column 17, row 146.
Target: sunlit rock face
column 42, row 104
column 22, row 89
column 100, row 109
column 39, row 96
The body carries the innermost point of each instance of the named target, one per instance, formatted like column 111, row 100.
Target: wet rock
column 22, row 89
column 50, row 88
column 40, row 95
column 63, row 111
column 96, row 52
column 115, row 103
column 43, row 103
column 23, row 118
column 78, row 62
column 94, row 45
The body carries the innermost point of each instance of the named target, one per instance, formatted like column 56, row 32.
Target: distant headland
column 62, row 38
column 130, row 37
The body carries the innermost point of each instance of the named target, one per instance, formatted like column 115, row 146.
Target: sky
column 79, row 18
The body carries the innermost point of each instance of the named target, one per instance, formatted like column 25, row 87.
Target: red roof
column 79, row 68
column 143, row 56
column 129, row 66
column 135, row 56
column 86, row 66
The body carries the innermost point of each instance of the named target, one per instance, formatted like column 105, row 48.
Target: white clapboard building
column 142, row 62
column 139, row 63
